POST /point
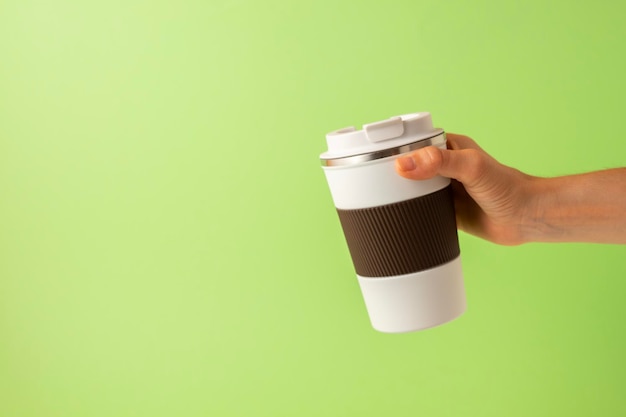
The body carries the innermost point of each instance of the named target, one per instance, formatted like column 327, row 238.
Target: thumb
column 465, row 165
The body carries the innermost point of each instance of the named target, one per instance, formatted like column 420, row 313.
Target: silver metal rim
column 384, row 153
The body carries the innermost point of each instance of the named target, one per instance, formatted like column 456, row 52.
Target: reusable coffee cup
column 401, row 233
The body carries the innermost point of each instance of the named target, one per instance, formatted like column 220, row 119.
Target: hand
column 492, row 200
column 506, row 206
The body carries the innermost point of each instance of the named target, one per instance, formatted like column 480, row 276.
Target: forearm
column 579, row 208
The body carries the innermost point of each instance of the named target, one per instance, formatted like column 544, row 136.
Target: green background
column 169, row 247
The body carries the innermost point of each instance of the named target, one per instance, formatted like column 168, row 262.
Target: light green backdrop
column 168, row 245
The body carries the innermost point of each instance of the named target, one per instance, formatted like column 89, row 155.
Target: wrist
column 540, row 218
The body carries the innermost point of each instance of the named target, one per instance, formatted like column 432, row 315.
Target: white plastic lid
column 393, row 132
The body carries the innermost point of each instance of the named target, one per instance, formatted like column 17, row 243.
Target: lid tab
column 384, row 130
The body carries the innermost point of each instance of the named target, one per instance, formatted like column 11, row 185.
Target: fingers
column 464, row 161
column 421, row 164
column 457, row 142
column 467, row 165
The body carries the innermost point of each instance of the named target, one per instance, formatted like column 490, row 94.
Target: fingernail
column 406, row 163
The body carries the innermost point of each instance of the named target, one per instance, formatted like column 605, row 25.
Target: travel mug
column 401, row 233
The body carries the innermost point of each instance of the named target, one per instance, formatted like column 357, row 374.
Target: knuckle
column 433, row 159
column 478, row 164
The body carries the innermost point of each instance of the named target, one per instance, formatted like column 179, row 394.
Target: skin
column 508, row 207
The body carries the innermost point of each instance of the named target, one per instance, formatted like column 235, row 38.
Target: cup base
column 416, row 301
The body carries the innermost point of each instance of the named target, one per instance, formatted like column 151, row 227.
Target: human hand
column 492, row 201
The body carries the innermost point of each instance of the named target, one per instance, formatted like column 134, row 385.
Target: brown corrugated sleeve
column 404, row 237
